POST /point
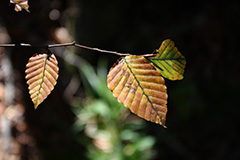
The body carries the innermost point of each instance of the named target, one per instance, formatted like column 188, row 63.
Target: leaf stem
column 65, row 45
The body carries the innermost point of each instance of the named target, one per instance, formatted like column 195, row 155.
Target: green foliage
column 113, row 133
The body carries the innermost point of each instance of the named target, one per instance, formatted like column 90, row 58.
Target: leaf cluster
column 135, row 81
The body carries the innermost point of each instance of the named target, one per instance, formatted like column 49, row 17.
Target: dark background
column 203, row 108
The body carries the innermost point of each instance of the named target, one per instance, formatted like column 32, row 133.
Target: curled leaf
column 41, row 76
column 168, row 60
column 20, row 4
column 140, row 87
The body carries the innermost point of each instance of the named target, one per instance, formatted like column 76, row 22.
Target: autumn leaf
column 41, row 76
column 168, row 60
column 140, row 87
column 20, row 4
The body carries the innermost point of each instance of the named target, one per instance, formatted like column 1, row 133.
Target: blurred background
column 80, row 119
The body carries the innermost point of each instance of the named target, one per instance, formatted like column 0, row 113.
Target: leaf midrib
column 44, row 70
column 143, row 91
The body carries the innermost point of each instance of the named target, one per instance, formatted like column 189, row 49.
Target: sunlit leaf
column 168, row 61
column 20, row 4
column 140, row 87
column 41, row 76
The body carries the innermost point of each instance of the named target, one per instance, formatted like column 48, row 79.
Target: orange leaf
column 20, row 4
column 41, row 76
column 140, row 87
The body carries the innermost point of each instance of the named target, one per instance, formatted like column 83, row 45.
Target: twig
column 61, row 45
column 101, row 50
column 65, row 45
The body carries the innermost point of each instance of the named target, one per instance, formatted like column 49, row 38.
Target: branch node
column 73, row 43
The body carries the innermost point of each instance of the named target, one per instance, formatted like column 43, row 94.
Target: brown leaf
column 20, row 4
column 41, row 76
column 140, row 87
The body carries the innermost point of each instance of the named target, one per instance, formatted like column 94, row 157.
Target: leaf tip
column 36, row 106
column 180, row 77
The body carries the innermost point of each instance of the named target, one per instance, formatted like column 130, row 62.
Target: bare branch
column 7, row 45
column 65, row 45
column 101, row 50
column 61, row 45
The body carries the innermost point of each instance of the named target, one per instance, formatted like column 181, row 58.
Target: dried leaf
column 20, row 4
column 168, row 61
column 140, row 87
column 41, row 76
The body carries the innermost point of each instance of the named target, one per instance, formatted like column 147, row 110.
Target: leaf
column 41, row 76
column 136, row 84
column 168, row 61
column 20, row 4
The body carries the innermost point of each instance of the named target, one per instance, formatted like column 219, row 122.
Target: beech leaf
column 41, row 75
column 168, row 60
column 136, row 84
column 20, row 4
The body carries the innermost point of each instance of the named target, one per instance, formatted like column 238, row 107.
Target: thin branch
column 101, row 50
column 61, row 45
column 20, row 45
column 7, row 45
column 65, row 45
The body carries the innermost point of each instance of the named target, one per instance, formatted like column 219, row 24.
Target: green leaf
column 168, row 61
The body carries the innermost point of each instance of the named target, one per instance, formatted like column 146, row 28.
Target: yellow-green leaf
column 169, row 61
column 41, row 76
column 136, row 84
column 20, row 4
